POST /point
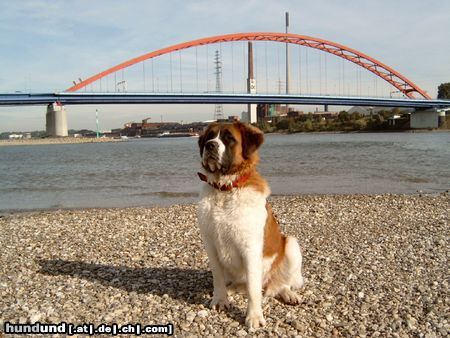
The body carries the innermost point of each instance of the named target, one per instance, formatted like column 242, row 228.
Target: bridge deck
column 212, row 98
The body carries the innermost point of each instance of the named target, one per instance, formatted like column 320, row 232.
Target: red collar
column 226, row 187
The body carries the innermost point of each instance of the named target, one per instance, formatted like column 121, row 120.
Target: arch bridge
column 397, row 80
column 414, row 96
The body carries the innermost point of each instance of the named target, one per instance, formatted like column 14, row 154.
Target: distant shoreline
column 78, row 140
column 56, row 140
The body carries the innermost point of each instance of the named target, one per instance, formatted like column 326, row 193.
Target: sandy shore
column 56, row 140
column 375, row 266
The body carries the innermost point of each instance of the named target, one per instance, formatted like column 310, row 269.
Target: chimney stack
column 251, row 85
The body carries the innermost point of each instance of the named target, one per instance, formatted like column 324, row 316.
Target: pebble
column 190, row 316
column 374, row 266
column 241, row 333
column 202, row 313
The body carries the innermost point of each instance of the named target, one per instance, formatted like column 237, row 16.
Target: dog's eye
column 229, row 139
column 210, row 136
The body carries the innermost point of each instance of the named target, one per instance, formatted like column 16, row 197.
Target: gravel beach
column 375, row 266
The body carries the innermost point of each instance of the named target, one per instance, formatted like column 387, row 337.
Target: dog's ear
column 252, row 138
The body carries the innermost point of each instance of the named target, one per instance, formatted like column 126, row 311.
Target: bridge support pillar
column 443, row 118
column 424, row 119
column 251, row 113
column 56, row 120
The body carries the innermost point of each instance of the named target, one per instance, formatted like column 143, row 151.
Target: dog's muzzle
column 211, row 156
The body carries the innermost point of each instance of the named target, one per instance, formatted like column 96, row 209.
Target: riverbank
column 56, row 140
column 374, row 266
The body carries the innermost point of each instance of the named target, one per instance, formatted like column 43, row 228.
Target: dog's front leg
column 254, row 267
column 220, row 297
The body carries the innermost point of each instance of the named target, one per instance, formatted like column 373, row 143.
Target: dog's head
column 227, row 148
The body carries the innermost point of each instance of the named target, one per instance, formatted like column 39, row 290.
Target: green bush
column 283, row 124
column 360, row 124
column 343, row 116
column 308, row 125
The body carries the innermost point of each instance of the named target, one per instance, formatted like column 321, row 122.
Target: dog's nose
column 212, row 146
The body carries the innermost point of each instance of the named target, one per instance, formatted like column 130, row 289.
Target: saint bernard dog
column 242, row 238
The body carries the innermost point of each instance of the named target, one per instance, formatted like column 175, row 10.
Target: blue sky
column 47, row 44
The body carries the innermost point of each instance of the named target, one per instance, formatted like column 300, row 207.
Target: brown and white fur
column 241, row 235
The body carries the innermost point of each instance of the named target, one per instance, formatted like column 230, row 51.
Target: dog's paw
column 289, row 297
column 255, row 320
column 236, row 288
column 220, row 304
column 298, row 283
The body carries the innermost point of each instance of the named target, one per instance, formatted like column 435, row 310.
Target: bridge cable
column 359, row 82
column 256, row 64
column 143, row 73
column 153, row 78
column 326, row 78
column 320, row 73
column 299, row 69
column 232, row 67
column 278, row 66
column 115, row 82
column 196, row 68
column 123, row 80
column 221, row 64
column 171, row 75
column 308, row 87
column 181, row 74
column 265, row 63
column 243, row 66
column 207, row 82
column 376, row 85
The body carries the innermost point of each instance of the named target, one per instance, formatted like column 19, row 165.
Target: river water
column 144, row 172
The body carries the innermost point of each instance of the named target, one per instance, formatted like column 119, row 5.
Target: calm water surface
column 163, row 171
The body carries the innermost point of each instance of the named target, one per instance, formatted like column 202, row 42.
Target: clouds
column 47, row 44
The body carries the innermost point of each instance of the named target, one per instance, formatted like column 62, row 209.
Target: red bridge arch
column 388, row 74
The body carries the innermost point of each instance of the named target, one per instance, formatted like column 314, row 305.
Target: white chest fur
column 232, row 223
